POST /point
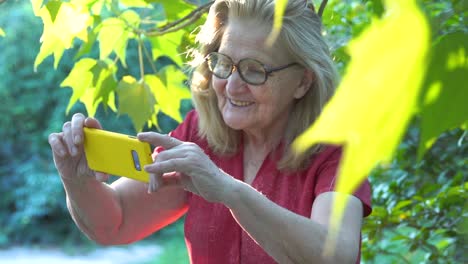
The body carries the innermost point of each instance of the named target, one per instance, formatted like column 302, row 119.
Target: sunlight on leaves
column 79, row 79
column 2, row 33
column 104, row 83
column 444, row 102
column 70, row 22
column 136, row 100
column 36, row 6
column 135, row 3
column 114, row 35
column 280, row 8
column 92, row 83
column 169, row 91
column 168, row 45
column 380, row 92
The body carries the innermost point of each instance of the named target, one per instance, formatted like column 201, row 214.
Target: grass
column 171, row 239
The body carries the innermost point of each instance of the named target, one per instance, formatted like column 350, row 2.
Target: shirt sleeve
column 326, row 178
column 187, row 130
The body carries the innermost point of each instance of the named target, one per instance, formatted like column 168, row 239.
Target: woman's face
column 256, row 108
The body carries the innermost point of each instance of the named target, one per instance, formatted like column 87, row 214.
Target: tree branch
column 180, row 23
column 140, row 59
column 322, row 8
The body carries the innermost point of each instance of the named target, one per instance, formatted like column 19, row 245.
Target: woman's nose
column 234, row 83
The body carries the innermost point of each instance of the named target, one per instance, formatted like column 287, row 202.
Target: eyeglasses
column 251, row 71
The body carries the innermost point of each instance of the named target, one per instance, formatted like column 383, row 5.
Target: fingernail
column 77, row 139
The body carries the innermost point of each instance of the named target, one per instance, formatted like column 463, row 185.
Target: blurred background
column 419, row 205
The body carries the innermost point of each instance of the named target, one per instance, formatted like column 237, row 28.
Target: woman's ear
column 307, row 78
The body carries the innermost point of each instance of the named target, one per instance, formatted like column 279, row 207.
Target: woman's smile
column 239, row 103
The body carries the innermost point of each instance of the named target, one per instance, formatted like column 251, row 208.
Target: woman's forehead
column 247, row 38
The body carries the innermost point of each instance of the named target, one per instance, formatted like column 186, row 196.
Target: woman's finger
column 157, row 139
column 155, row 182
column 68, row 140
column 166, row 166
column 77, row 123
column 92, row 123
column 55, row 142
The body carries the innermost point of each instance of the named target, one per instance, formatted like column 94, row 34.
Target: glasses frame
column 268, row 71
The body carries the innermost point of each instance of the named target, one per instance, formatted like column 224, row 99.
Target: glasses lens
column 252, row 71
column 220, row 65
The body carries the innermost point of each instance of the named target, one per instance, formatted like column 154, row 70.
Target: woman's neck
column 264, row 140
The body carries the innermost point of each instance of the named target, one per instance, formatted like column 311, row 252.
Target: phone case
column 117, row 154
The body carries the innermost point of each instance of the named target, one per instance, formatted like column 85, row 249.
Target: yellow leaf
column 36, row 5
column 70, row 22
column 80, row 79
column 376, row 99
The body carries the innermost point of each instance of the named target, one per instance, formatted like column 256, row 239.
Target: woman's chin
column 236, row 123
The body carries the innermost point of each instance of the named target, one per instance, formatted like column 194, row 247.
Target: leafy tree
column 160, row 29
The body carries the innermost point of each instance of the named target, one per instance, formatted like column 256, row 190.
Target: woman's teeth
column 240, row 103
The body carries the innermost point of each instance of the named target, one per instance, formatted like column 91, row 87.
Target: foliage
column 30, row 106
column 173, row 245
column 420, row 205
column 113, row 25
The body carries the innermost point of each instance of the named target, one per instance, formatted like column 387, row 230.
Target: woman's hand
column 68, row 152
column 185, row 163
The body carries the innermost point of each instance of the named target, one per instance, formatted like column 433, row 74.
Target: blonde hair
column 300, row 37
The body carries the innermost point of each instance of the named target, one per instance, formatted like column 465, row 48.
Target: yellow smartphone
column 117, row 154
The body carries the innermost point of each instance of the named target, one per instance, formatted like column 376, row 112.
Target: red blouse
column 211, row 233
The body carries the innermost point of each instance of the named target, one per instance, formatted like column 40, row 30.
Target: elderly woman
column 229, row 166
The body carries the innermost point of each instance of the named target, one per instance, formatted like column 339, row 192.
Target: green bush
column 419, row 205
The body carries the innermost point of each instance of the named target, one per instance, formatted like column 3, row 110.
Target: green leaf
column 280, row 8
column 169, row 91
column 79, row 79
column 112, row 37
column 87, row 46
column 53, row 7
column 2, row 33
column 377, row 7
column 402, row 204
column 135, row 3
column 136, row 100
column 114, row 34
column 174, row 9
column 104, row 82
column 168, row 45
column 379, row 92
column 444, row 98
